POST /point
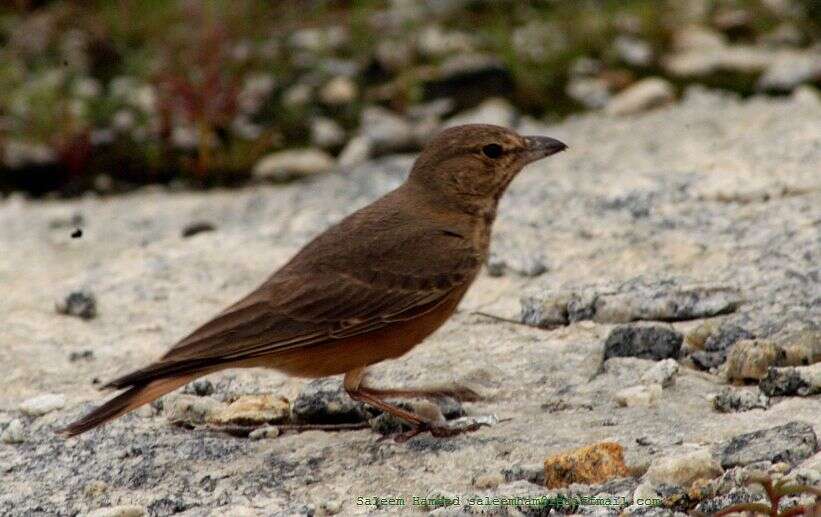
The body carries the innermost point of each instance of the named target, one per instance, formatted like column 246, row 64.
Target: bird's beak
column 539, row 147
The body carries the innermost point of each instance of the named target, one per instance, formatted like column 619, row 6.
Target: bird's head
column 478, row 160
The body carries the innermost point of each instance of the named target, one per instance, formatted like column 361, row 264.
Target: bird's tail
column 129, row 400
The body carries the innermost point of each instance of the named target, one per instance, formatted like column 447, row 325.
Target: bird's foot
column 445, row 429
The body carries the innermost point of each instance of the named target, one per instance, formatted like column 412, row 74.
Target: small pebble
column 82, row 304
column 14, row 432
column 654, row 342
column 323, row 401
column 663, row 373
column 253, row 410
column 496, row 265
column 328, row 508
column 85, row 355
column 95, row 489
column 725, row 337
column 790, row 381
column 642, row 395
column 191, row 410
column 264, row 433
column 42, row 404
column 588, row 465
column 749, row 359
column 488, row 481
column 533, row 473
column 530, row 266
column 791, row 442
column 200, row 388
column 683, row 469
column 731, row 400
column 697, row 337
column 197, row 227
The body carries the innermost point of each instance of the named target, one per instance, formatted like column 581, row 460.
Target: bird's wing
column 304, row 305
column 310, row 311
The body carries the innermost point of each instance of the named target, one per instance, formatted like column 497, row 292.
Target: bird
column 368, row 289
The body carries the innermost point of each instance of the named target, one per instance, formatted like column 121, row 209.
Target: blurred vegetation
column 121, row 92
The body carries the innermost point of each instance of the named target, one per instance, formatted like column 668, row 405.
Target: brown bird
column 369, row 288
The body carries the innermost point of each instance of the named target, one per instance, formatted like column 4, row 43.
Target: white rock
column 123, row 120
column 585, row 66
column 317, row 40
column 699, row 62
column 127, row 510
column 326, row 133
column 19, row 153
column 283, row 165
column 357, row 151
column 433, row 110
column 645, row 94
column 683, row 469
column 387, row 131
column 592, row 92
column 331, row 507
column 496, row 111
column 191, row 409
column 642, row 395
column 633, row 51
column 643, row 492
column 184, row 137
column 698, row 37
column 435, row 41
column 263, row 433
column 87, row 88
column 297, row 96
column 254, row 92
column 245, row 129
column 790, row 69
column 806, row 94
column 338, row 91
column 253, row 410
column 663, row 373
column 42, row 404
column 394, row 55
column 14, row 432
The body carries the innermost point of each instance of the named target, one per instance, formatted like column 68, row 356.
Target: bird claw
column 441, row 430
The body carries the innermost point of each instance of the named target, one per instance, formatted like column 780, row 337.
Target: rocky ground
column 656, row 286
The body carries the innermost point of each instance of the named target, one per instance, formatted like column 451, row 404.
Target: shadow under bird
column 369, row 288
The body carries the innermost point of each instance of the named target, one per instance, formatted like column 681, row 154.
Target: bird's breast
column 482, row 230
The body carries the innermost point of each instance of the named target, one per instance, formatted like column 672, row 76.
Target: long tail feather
column 128, row 401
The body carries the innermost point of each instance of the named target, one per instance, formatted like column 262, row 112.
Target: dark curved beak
column 539, row 147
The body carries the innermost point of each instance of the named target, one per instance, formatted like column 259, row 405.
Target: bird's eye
column 492, row 150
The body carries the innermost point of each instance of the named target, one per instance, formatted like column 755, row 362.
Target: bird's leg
column 355, row 390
